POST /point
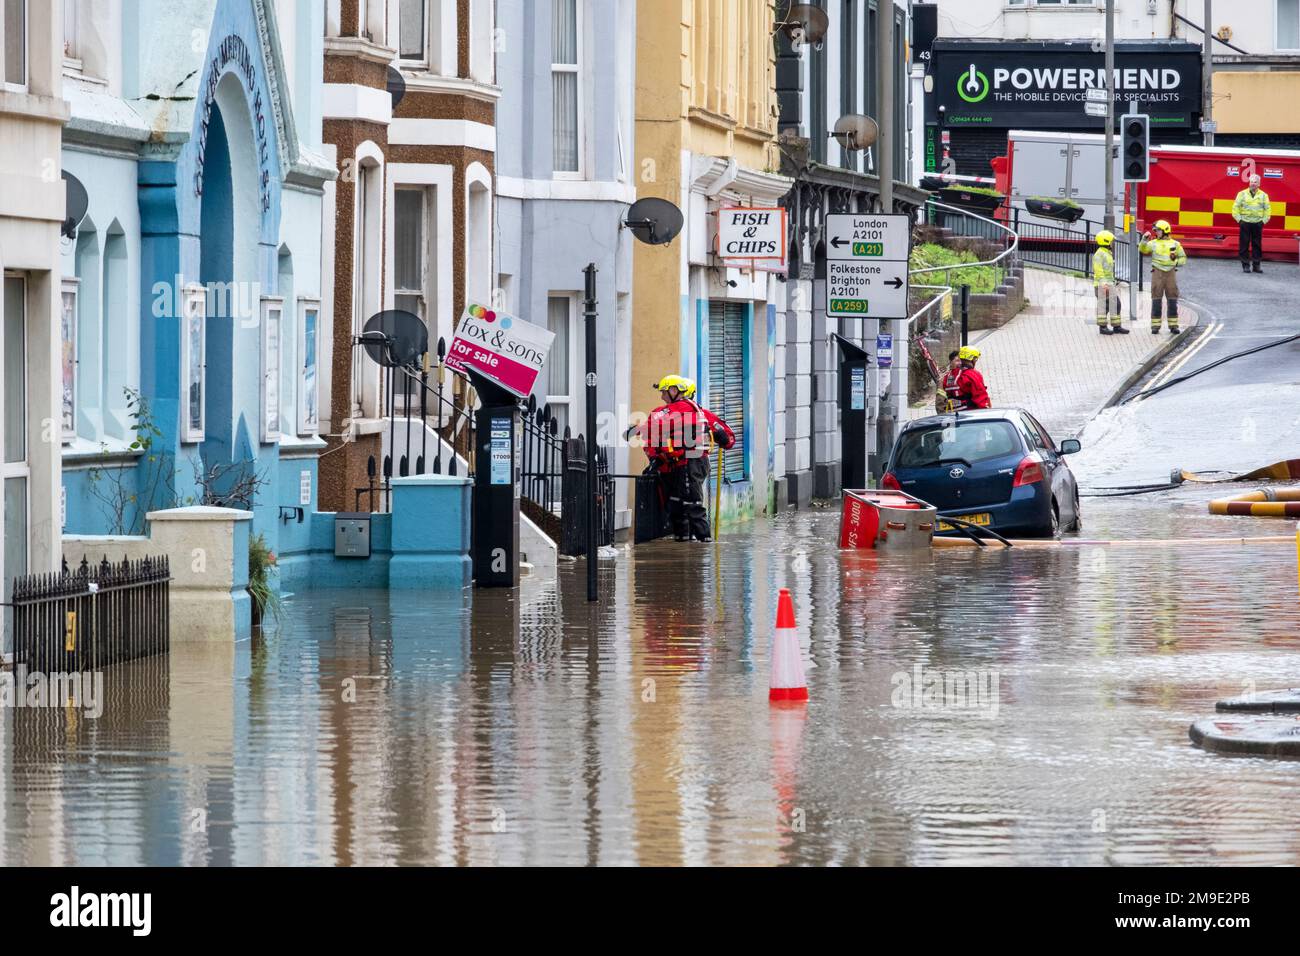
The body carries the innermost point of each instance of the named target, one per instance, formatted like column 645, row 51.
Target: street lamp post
column 1109, row 216
column 1207, row 80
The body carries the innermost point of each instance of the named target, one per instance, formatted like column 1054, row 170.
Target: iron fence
column 575, row 488
column 1068, row 246
column 542, row 467
column 93, row 616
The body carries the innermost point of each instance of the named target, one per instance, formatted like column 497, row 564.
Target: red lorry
column 1191, row 186
column 1194, row 186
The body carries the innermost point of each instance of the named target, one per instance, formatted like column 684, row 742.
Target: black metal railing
column 1068, row 246
column 92, row 616
column 542, row 467
column 451, row 419
column 575, row 488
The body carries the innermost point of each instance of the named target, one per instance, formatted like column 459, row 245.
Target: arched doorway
column 229, row 228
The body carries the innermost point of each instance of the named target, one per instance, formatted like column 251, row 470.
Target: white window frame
column 71, row 285
column 16, row 469
column 569, row 401
column 308, row 424
column 423, row 290
column 27, row 53
column 71, row 24
column 272, row 321
column 194, row 304
column 1277, row 36
column 577, row 69
column 426, row 41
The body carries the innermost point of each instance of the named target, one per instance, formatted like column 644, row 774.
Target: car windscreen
column 970, row 441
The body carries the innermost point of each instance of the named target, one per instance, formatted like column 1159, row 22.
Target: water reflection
column 534, row 727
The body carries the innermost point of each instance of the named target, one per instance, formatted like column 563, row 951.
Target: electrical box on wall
column 351, row 535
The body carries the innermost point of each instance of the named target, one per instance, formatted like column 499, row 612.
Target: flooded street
column 378, row 727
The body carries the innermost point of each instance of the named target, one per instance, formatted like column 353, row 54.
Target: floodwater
column 378, row 728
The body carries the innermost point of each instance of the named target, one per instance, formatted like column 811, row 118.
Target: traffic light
column 1135, row 147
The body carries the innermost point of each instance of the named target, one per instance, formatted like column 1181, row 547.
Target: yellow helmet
column 688, row 387
column 1105, row 238
column 669, row 381
column 1163, row 226
column 968, row 354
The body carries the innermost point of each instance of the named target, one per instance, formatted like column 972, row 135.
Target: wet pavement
column 1239, row 416
column 377, row 728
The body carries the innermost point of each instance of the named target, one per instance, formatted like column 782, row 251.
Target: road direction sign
column 866, row 265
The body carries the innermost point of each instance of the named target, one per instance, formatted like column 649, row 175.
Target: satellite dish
column 77, row 204
column 805, row 23
column 394, row 338
column 396, row 85
column 855, row 131
column 654, row 221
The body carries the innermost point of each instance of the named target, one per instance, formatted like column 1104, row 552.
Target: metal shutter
column 726, row 397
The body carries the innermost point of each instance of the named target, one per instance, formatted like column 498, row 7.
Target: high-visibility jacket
column 1248, row 208
column 971, row 390
column 1166, row 254
column 680, row 431
column 1103, row 268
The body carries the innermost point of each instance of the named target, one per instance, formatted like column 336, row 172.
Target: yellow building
column 706, row 140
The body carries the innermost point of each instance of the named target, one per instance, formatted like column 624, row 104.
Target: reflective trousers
column 686, row 510
column 1164, row 285
column 1108, row 306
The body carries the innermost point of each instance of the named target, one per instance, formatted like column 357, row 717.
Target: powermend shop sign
column 1040, row 84
column 502, row 347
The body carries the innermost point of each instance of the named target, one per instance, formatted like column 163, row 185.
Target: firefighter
column 677, row 438
column 1103, row 281
column 1252, row 210
column 971, row 390
column 1167, row 256
column 945, row 400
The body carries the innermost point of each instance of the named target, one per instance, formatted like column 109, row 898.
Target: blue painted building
column 194, row 285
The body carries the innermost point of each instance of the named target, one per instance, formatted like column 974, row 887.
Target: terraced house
column 412, row 211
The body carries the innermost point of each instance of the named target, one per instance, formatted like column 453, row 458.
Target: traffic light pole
column 1207, row 79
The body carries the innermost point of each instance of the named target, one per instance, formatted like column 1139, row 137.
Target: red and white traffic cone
column 788, row 682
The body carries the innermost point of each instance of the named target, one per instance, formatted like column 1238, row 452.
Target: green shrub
column 981, row 279
column 975, row 190
column 260, row 561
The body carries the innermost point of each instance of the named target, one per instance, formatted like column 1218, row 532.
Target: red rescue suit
column 677, row 438
column 971, row 390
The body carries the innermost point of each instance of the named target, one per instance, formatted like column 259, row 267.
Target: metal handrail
column 1011, row 248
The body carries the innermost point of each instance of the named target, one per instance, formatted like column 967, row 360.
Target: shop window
column 729, row 379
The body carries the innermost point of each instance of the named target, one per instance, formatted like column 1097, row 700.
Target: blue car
column 994, row 467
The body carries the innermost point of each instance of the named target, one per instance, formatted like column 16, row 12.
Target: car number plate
column 984, row 519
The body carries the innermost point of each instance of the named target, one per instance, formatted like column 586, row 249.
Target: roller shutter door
column 727, row 378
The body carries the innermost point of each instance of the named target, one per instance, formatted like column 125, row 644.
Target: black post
column 497, row 474
column 589, row 318
column 853, row 413
column 965, row 315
